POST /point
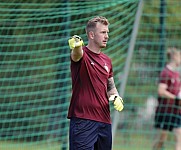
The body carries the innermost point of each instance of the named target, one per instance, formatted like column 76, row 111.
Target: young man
column 92, row 89
column 168, row 112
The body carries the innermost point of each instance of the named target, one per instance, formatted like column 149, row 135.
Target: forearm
column 111, row 90
column 77, row 53
column 114, row 95
column 167, row 94
column 163, row 91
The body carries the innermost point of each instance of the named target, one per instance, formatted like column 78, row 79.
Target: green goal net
column 159, row 28
column 35, row 83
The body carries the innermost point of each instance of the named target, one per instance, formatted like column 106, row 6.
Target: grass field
column 138, row 140
column 8, row 145
column 123, row 141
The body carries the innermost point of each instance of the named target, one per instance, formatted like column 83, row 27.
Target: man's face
column 101, row 35
column 177, row 58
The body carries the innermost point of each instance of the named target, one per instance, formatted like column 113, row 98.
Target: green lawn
column 29, row 146
column 139, row 140
column 123, row 141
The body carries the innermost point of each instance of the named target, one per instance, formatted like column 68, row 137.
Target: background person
column 168, row 112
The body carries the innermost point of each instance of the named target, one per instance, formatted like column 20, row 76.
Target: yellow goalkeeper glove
column 75, row 41
column 117, row 101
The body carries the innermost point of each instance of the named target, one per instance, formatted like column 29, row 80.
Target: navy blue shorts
column 167, row 121
column 89, row 135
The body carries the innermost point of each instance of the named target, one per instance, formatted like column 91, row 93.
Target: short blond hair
column 91, row 24
column 172, row 51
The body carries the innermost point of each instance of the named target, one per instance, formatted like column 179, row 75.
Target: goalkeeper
column 92, row 88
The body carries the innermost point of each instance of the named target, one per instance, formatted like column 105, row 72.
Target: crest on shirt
column 92, row 63
column 106, row 67
column 172, row 80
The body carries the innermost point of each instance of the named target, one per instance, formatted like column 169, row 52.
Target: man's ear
column 91, row 35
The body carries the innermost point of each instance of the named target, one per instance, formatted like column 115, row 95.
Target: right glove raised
column 117, row 101
column 75, row 41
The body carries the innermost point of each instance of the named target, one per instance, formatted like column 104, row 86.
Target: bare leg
column 177, row 132
column 160, row 139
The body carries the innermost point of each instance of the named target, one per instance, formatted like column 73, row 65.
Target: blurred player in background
column 92, row 88
column 168, row 112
